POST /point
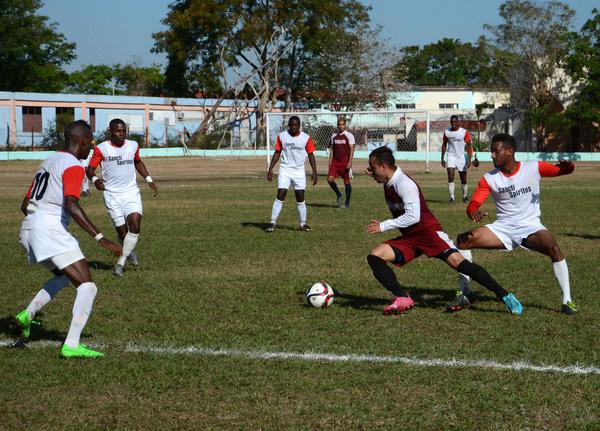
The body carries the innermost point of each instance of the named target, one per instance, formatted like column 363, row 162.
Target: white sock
column 302, row 212
column 46, row 293
column 86, row 292
column 465, row 280
column 561, row 272
column 129, row 243
column 451, row 189
column 277, row 205
column 464, row 189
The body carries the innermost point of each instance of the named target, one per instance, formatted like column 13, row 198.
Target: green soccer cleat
column 569, row 308
column 25, row 323
column 81, row 351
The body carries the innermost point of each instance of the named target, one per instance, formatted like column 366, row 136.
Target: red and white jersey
column 456, row 141
column 294, row 149
column 118, row 168
column 340, row 145
column 517, row 196
column 58, row 176
column 407, row 205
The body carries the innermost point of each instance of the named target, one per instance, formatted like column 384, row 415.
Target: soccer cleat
column 118, row 270
column 24, row 323
column 461, row 301
column 400, row 304
column 569, row 308
column 451, row 200
column 338, row 202
column 512, row 304
column 465, row 199
column 81, row 351
column 133, row 259
column 270, row 227
column 305, row 228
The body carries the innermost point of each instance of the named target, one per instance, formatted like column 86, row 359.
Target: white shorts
column 512, row 237
column 120, row 205
column 457, row 163
column 295, row 177
column 51, row 248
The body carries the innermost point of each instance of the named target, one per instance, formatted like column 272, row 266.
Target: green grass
column 211, row 278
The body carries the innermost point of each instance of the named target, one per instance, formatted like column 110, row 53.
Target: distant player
column 515, row 187
column 51, row 201
column 341, row 154
column 421, row 234
column 293, row 146
column 120, row 158
column 456, row 140
column 85, row 185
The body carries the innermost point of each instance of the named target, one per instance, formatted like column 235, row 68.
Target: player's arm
column 563, row 167
column 331, row 144
column 444, row 146
column 275, row 158
column 90, row 171
column 349, row 166
column 477, row 199
column 141, row 168
column 310, row 149
column 469, row 148
column 409, row 192
column 25, row 202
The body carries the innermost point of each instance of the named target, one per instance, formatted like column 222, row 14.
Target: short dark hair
column 77, row 128
column 383, row 156
column 454, row 116
column 506, row 139
column 116, row 121
column 294, row 117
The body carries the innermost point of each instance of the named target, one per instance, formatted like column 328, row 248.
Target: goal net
column 406, row 132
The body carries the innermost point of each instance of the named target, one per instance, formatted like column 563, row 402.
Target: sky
column 120, row 31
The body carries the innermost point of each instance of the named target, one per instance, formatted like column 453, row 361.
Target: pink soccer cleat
column 401, row 304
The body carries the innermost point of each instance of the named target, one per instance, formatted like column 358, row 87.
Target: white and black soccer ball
column 320, row 295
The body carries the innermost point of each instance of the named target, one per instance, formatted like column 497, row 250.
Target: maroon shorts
column 337, row 169
column 430, row 243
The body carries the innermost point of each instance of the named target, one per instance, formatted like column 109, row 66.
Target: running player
column 340, row 161
column 293, row 146
column 515, row 187
column 421, row 234
column 118, row 157
column 456, row 139
column 50, row 202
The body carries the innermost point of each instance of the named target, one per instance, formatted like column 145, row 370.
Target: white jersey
column 118, row 168
column 457, row 141
column 294, row 149
column 58, row 176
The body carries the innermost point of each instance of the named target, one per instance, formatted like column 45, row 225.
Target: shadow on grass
column 10, row 328
column 100, row 265
column 583, row 236
column 263, row 226
column 322, row 205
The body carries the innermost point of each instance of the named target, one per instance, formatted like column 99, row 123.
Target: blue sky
column 120, row 31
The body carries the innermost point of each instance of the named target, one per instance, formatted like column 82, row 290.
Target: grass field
column 213, row 332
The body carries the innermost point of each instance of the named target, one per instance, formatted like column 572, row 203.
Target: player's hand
column 114, row 248
column 443, row 164
column 270, row 175
column 369, row 172
column 566, row 165
column 477, row 216
column 154, row 188
column 99, row 184
column 349, row 165
column 374, row 226
column 314, row 178
column 468, row 165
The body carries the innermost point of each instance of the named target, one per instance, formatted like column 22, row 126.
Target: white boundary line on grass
column 330, row 357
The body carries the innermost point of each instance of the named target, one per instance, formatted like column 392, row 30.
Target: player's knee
column 375, row 261
column 555, row 253
column 463, row 241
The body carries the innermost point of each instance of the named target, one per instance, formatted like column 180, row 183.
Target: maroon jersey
column 340, row 146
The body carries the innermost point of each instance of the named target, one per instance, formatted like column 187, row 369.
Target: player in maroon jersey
column 341, row 153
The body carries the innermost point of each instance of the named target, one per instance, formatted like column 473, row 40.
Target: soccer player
column 421, row 234
column 293, row 146
column 455, row 140
column 51, row 201
column 515, row 188
column 340, row 161
column 118, row 157
column 85, row 185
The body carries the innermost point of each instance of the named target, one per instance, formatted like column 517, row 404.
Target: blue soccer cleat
column 512, row 304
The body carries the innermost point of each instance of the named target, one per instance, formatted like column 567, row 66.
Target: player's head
column 118, row 131
column 294, row 125
column 78, row 139
column 341, row 124
column 503, row 149
column 454, row 122
column 382, row 164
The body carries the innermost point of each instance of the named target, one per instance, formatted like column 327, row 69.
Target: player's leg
column 134, row 222
column 283, row 183
column 302, row 211
column 122, row 231
column 464, row 295
column 348, row 187
column 450, row 171
column 480, row 237
column 378, row 260
column 463, row 185
column 334, row 187
column 543, row 241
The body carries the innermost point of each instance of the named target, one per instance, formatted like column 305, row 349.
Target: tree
column 447, row 62
column 91, row 79
column 32, row 52
column 136, row 80
column 529, row 48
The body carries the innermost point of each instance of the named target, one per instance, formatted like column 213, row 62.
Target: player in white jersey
column 293, row 146
column 456, row 140
column 120, row 158
column 515, row 187
column 51, row 201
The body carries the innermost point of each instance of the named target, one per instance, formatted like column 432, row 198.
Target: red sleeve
column 310, row 146
column 72, row 178
column 28, row 194
column 136, row 157
column 278, row 145
column 479, row 196
column 548, row 170
column 96, row 158
column 467, row 136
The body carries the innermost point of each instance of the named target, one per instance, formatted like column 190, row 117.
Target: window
column 405, row 106
column 32, row 119
column 64, row 116
column 448, row 105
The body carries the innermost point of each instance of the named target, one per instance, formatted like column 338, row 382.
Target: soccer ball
column 320, row 295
